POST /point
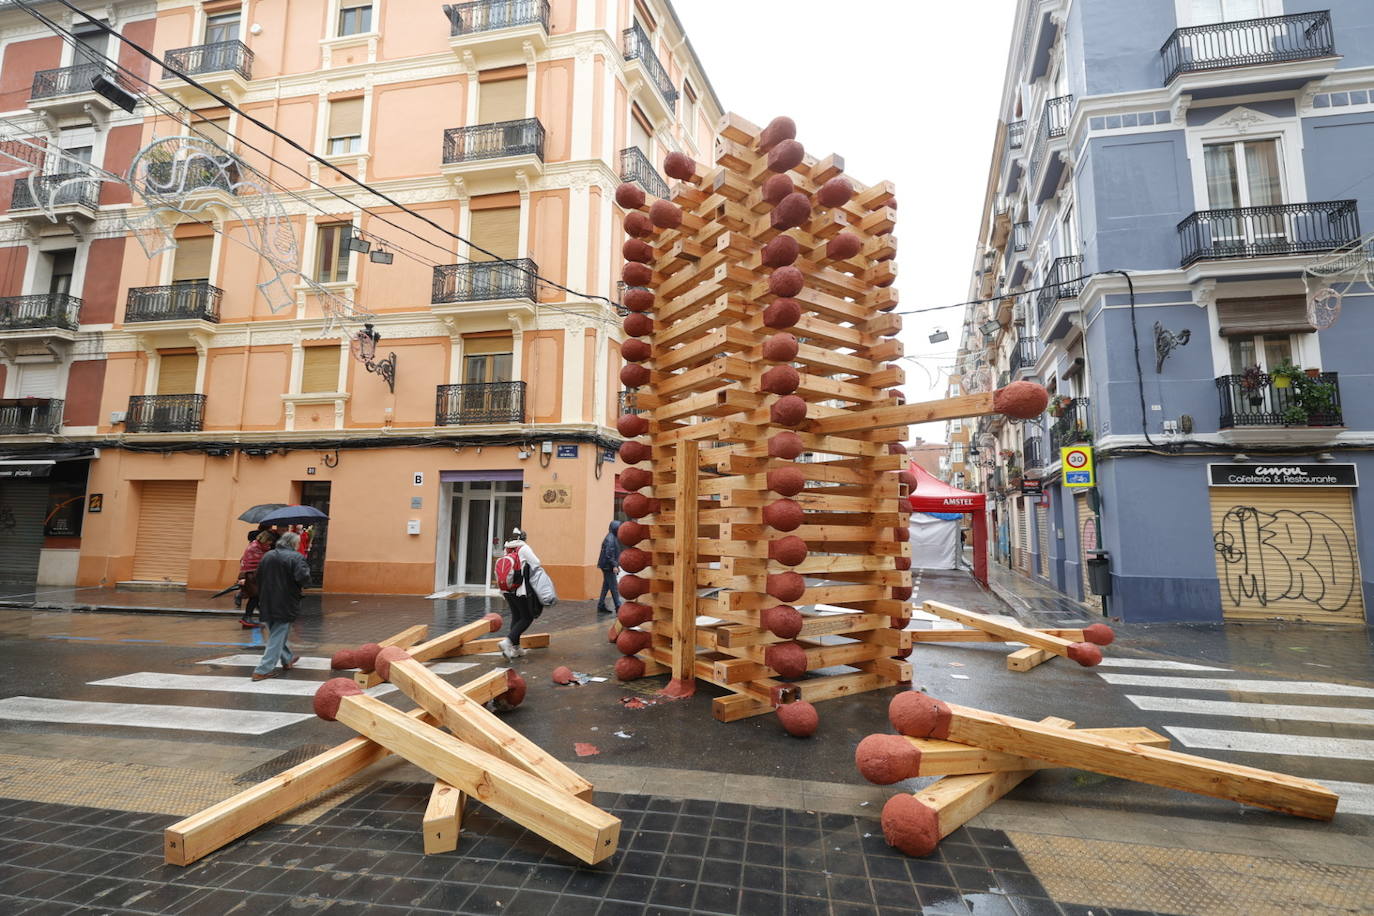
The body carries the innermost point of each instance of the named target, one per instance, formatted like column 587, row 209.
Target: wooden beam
column 982, row 636
column 483, row 646
column 438, row 647
column 684, row 634
column 1028, row 658
column 202, row 833
column 965, row 405
column 1009, row 631
column 480, row 727
column 947, row 758
column 443, row 818
column 573, row 825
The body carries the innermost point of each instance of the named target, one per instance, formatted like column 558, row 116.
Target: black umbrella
column 255, row 514
column 293, row 515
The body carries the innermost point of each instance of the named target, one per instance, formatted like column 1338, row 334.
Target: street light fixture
column 940, row 336
column 365, row 351
column 990, row 327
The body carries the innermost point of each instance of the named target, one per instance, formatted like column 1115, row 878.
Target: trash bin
column 1100, row 572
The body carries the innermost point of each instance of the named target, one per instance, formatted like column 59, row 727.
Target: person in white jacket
column 525, row 604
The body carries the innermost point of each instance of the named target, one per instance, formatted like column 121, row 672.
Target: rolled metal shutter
column 23, row 505
column 192, row 260
column 166, row 518
column 501, row 100
column 1087, row 540
column 176, row 373
column 320, row 371
column 1287, row 552
column 1042, row 524
column 346, row 118
column 498, row 231
column 1023, row 535
column 36, row 380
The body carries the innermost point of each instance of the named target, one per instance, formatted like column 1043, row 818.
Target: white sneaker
column 507, row 649
column 521, row 651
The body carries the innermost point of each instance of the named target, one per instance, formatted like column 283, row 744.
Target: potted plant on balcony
column 1013, row 477
column 1284, row 373
column 1316, row 399
column 1294, row 415
column 1060, row 404
column 1313, row 373
column 1252, row 382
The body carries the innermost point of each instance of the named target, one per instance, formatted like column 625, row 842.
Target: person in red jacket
column 248, row 573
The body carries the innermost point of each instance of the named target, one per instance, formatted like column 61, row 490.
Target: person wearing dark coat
column 608, row 562
column 282, row 574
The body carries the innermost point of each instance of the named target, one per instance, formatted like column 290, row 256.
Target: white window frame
column 1242, row 123
column 313, row 263
column 1183, row 12
column 336, row 9
column 1306, row 346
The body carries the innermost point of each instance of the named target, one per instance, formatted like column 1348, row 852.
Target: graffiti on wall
column 1286, row 555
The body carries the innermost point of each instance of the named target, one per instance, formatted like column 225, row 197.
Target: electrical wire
column 1139, row 373
column 322, row 161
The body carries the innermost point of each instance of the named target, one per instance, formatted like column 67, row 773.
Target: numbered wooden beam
column 572, row 824
column 443, row 820
column 202, row 833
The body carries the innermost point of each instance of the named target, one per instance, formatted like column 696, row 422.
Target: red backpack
column 508, row 571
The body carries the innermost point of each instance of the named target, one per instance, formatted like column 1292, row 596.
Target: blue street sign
column 567, row 451
column 1080, row 478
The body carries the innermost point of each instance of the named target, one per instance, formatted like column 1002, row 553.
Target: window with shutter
column 355, row 17
column 345, row 126
column 331, row 255
column 215, row 129
column 320, row 369
column 501, row 100
column 176, row 373
column 192, row 261
column 498, row 231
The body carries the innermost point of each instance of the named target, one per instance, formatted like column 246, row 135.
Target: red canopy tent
column 934, row 495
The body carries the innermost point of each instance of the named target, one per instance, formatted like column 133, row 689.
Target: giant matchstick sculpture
column 758, row 332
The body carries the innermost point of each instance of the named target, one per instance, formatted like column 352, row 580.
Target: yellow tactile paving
column 1190, row 882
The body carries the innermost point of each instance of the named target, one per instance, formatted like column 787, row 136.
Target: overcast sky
column 904, row 90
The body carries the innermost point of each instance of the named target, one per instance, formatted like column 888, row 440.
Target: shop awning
column 22, row 463
column 934, row 495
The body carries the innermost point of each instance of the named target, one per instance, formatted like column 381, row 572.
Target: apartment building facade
column 1162, row 178
column 201, row 381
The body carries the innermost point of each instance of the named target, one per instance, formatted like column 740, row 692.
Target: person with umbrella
column 260, row 542
column 282, row 574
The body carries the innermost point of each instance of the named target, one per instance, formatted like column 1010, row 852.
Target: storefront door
column 23, row 504
column 1087, row 540
column 315, row 494
column 484, row 512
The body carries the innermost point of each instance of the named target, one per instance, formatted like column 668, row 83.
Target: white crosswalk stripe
column 1193, row 706
column 320, row 663
column 143, row 715
column 1238, row 685
column 1356, row 797
column 1154, row 664
column 152, row 680
column 1268, row 743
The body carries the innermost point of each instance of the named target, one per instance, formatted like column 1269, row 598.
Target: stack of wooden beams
column 981, row 756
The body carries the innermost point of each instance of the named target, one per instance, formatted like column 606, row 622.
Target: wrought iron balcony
column 51, row 84
column 1016, row 134
column 23, row 416
column 210, row 58
column 165, row 413
column 178, row 176
column 1054, row 120
column 1033, row 451
column 1256, row 232
column 47, row 191
column 489, row 15
column 1070, row 424
column 49, row 310
column 1254, row 400
column 1020, row 236
column 494, row 141
column 1062, row 281
column 638, row 47
column 627, row 402
column 482, row 281
column 1246, row 43
column 481, row 402
column 1024, row 354
column 636, row 167
column 178, row 302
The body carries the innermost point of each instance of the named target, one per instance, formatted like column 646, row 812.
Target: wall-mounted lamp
column 360, row 245
column 1165, row 342
column 940, row 336
column 365, row 351
column 990, row 327
column 381, row 257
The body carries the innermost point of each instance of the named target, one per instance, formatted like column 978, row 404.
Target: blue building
column 1174, row 223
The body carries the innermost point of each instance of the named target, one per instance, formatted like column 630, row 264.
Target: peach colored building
column 506, row 122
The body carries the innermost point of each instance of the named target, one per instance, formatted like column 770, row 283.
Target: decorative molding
column 1205, row 293
column 1179, row 108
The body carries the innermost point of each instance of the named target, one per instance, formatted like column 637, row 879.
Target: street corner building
column 1175, row 241
column 412, row 322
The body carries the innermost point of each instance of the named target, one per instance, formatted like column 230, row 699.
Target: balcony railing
column 177, row 176
column 1020, row 236
column 494, row 141
column 67, row 188
column 636, row 167
column 1272, row 40
column 1033, row 452
column 638, row 47
column 1070, row 426
column 482, row 281
column 22, row 416
column 1016, row 134
column 211, row 58
column 627, row 402
column 51, row 84
column 1054, row 123
column 489, row 15
column 1255, row 232
column 1024, row 354
column 1062, row 281
column 165, row 413
column 178, row 302
column 50, row 310
column 1254, row 400
column 481, row 402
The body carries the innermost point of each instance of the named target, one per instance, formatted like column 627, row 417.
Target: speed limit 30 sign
column 1077, row 461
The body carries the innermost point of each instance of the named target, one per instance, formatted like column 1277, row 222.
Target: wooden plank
column 1154, row 766
column 223, row 822
column 443, row 819
column 573, row 825
column 407, row 637
column 1028, row 658
column 684, row 568
column 439, row 647
column 982, row 636
column 965, row 405
column 481, row 728
column 483, row 646
column 946, row 758
column 1009, row 631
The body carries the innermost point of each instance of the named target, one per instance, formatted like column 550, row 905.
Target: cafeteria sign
column 1282, row 475
column 1077, row 461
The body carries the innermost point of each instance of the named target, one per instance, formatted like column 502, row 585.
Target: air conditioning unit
column 118, row 416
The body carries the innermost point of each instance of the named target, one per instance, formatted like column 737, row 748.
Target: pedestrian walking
column 281, row 575
column 523, row 602
column 260, row 542
column 609, row 562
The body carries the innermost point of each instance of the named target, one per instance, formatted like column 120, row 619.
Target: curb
column 119, row 609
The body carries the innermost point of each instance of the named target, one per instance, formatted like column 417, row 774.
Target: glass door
column 1245, row 175
column 484, row 512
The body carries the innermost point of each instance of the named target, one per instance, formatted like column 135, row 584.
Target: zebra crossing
column 222, row 719
column 1251, row 724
